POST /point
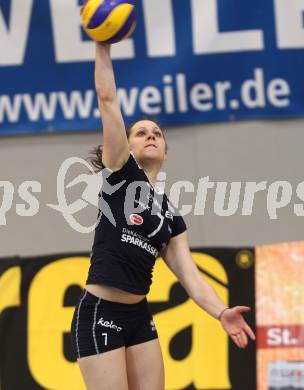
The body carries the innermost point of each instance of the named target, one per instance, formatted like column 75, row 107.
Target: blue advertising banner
column 189, row 61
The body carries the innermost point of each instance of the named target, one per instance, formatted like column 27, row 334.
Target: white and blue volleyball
column 109, row 21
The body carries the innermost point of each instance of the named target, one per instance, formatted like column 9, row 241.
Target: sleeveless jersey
column 135, row 222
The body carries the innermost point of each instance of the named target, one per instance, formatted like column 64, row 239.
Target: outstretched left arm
column 178, row 258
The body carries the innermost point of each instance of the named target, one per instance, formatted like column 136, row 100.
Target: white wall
column 242, row 151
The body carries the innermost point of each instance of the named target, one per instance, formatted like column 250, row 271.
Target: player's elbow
column 105, row 96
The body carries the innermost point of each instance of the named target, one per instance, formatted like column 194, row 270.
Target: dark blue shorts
column 99, row 325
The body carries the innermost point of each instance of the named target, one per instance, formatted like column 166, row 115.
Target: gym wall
column 242, row 151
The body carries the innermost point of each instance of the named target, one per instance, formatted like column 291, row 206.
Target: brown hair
column 96, row 153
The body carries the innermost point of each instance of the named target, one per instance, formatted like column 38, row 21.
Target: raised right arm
column 115, row 150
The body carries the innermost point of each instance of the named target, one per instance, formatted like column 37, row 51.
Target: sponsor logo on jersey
column 140, row 243
column 136, row 219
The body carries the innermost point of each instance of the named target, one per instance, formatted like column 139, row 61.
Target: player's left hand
column 235, row 325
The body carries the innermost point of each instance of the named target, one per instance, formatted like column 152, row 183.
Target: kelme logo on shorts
column 108, row 324
column 136, row 219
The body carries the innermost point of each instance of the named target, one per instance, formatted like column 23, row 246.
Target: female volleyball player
column 113, row 332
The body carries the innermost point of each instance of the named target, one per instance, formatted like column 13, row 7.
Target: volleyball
column 109, row 21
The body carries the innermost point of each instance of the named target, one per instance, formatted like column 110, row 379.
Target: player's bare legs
column 105, row 371
column 145, row 366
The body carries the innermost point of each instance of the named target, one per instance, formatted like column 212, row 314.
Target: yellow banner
column 37, row 300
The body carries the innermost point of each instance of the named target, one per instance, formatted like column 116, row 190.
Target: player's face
column 147, row 141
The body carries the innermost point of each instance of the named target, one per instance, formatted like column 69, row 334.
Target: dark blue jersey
column 135, row 222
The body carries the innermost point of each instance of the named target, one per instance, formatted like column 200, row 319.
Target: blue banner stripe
column 186, row 63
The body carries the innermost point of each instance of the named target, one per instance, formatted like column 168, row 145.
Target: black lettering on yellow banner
column 48, row 320
column 195, row 348
column 207, row 364
column 10, row 285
